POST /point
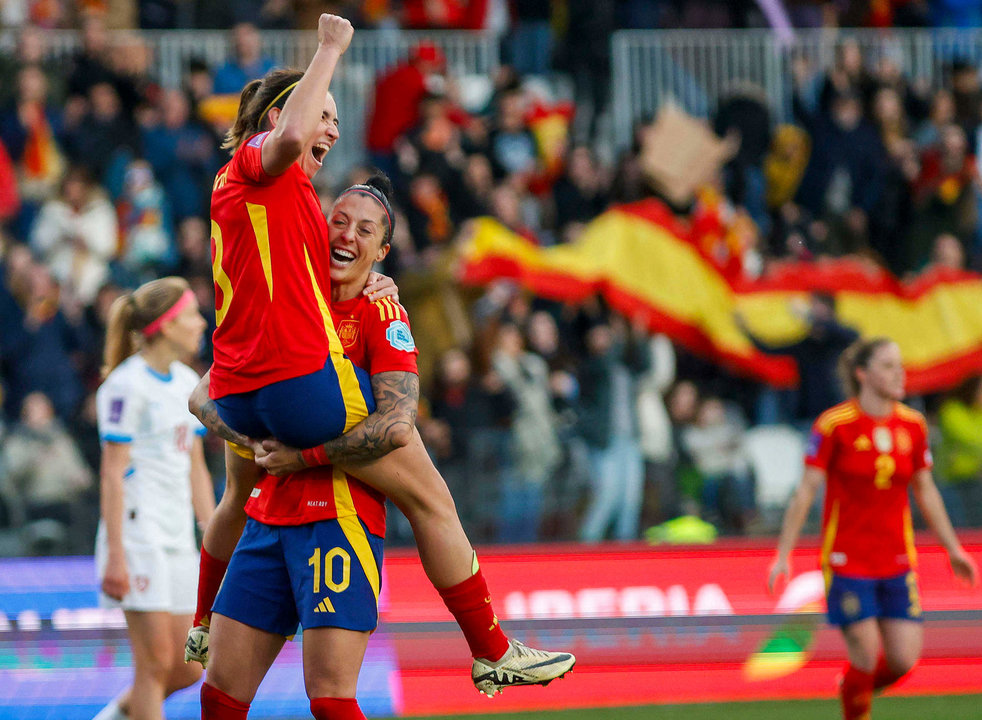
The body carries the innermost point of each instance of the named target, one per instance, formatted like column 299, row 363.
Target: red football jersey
column 869, row 463
column 376, row 337
column 271, row 275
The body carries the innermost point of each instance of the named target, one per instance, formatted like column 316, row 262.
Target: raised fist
column 334, row 31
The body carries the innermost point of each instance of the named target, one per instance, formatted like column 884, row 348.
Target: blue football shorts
column 322, row 574
column 304, row 411
column 853, row 599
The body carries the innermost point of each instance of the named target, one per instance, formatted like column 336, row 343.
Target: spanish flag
column 653, row 265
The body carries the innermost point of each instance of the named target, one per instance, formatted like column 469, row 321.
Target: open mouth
column 319, row 151
column 341, row 257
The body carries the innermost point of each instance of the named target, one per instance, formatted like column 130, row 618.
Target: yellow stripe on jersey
column 828, row 542
column 221, row 278
column 332, row 335
column 381, row 310
column 354, row 531
column 260, row 226
column 355, row 407
column 905, row 412
column 909, row 539
column 832, row 418
column 393, row 310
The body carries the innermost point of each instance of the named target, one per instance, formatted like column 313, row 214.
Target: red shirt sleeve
column 820, row 446
column 921, row 458
column 248, row 160
column 390, row 346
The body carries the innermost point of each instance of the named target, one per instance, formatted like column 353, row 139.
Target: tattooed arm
column 389, row 427
column 204, row 408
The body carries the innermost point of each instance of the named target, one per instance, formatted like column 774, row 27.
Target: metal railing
column 695, row 68
column 468, row 55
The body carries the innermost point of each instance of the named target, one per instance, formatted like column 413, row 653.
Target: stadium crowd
column 549, row 421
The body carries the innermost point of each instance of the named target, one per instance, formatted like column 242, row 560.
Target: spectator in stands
column 661, row 501
column 247, row 63
column 76, row 236
column 35, row 327
column 531, row 42
column 28, row 129
column 608, row 423
column 715, row 444
column 581, row 193
column 944, row 195
column 43, row 464
column 890, row 223
column 844, row 176
column 396, row 101
column 145, row 229
column 816, row 355
column 535, row 444
column 960, row 453
column 584, row 52
column 193, row 248
column 32, row 49
column 183, row 156
column 744, row 116
column 90, row 65
column 131, row 62
column 105, row 136
column 947, row 255
column 847, row 76
column 941, row 113
column 966, row 90
column 512, row 146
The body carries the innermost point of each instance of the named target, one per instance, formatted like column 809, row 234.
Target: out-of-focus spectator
column 43, row 465
column 608, row 424
column 531, row 41
column 890, row 223
column 941, row 113
column 511, row 143
column 715, row 444
column 581, row 193
column 131, row 61
column 35, row 327
column 584, row 52
column 960, row 453
column 947, row 254
column 535, row 445
column 147, row 248
column 847, row 76
column 193, row 248
column 28, row 129
column 247, row 61
column 660, row 498
column 182, row 154
column 396, row 101
column 745, row 117
column 816, row 355
column 104, row 134
column 76, row 236
column 966, row 90
column 90, row 65
column 32, row 49
column 844, row 176
column 944, row 195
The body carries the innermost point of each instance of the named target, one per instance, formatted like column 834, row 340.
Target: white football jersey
column 149, row 411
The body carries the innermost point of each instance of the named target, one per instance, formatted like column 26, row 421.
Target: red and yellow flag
column 647, row 262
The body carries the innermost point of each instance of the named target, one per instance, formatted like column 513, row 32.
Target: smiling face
column 317, row 147
column 356, row 231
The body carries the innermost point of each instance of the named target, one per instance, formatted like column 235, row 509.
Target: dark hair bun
column 380, row 181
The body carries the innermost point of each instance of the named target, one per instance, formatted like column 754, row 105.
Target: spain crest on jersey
column 348, row 332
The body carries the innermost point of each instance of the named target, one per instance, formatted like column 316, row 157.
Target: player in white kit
column 153, row 481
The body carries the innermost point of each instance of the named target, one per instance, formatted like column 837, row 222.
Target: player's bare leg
column 902, row 644
column 218, row 544
column 408, row 477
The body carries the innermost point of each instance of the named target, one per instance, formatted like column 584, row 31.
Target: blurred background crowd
column 549, row 421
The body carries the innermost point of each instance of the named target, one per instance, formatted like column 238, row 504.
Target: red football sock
column 470, row 604
column 326, row 708
column 883, row 676
column 211, row 572
column 857, row 694
column 216, row 705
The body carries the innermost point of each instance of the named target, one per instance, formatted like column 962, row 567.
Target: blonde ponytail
column 131, row 313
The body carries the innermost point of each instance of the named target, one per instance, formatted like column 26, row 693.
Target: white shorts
column 161, row 580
